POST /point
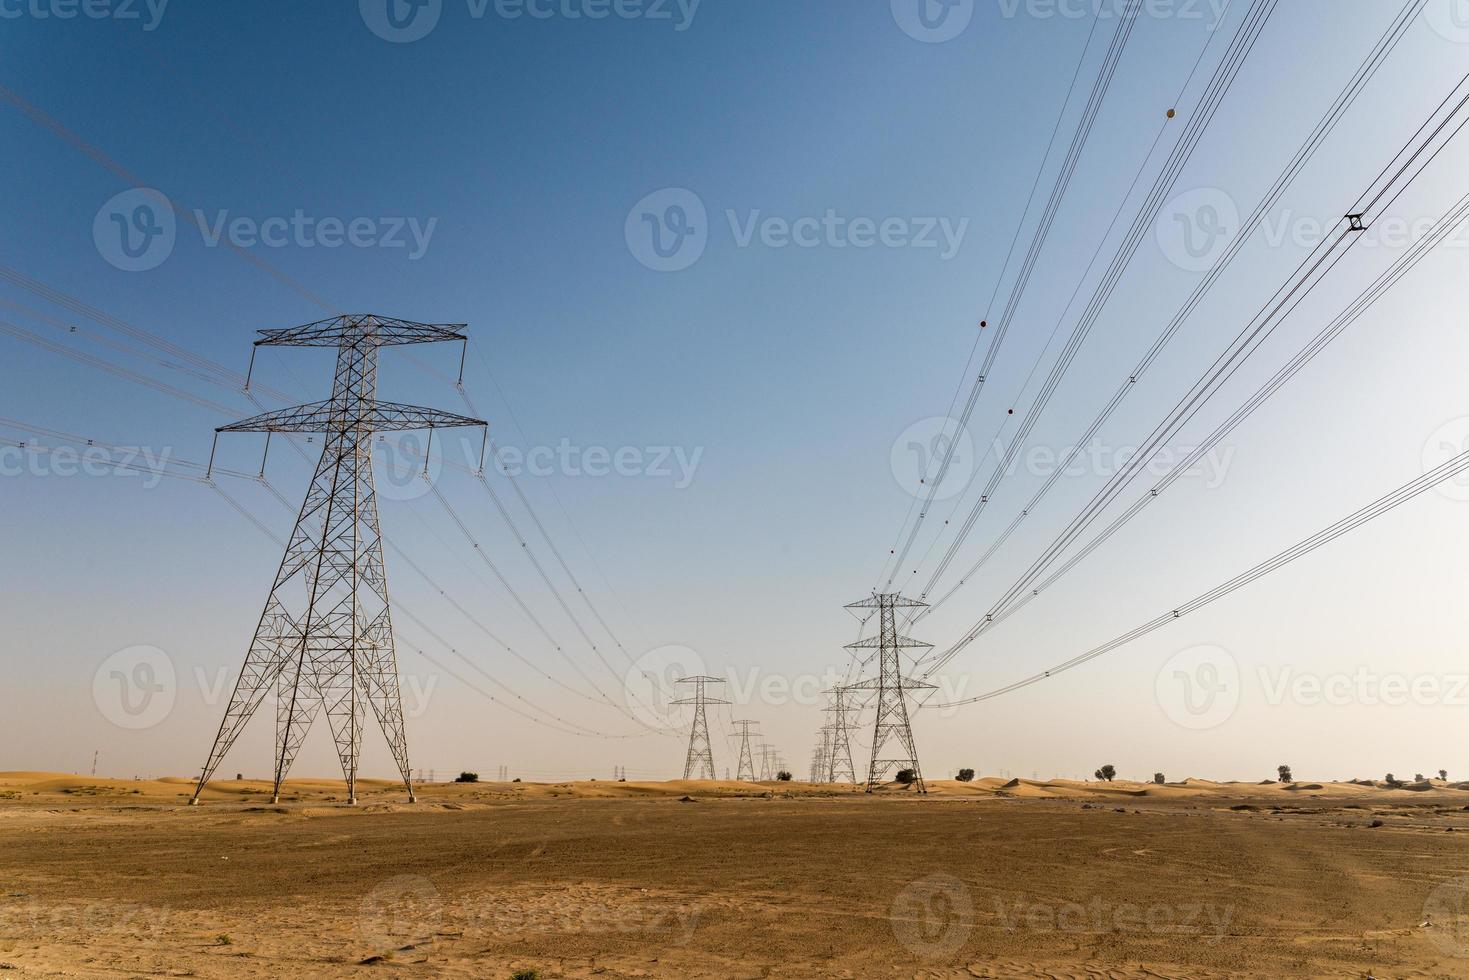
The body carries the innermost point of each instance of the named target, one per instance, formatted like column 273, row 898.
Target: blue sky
column 520, row 149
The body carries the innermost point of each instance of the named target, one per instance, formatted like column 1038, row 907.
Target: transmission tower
column 325, row 639
column 821, row 757
column 839, row 756
column 701, row 753
column 745, row 770
column 892, row 689
column 766, row 773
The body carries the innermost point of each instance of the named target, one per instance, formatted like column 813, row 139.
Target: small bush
column 1392, row 781
column 965, row 775
column 1159, row 778
column 467, row 777
column 783, row 776
column 1443, row 774
column 905, row 776
column 525, row 975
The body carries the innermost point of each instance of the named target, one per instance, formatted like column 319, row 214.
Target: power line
column 1299, row 550
column 1365, row 72
column 1010, row 252
column 1301, row 283
column 1183, row 150
column 556, row 553
column 1420, row 250
column 1032, row 256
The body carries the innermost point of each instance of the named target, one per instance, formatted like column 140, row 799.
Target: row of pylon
column 893, row 747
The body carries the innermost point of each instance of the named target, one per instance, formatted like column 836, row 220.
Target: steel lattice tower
column 821, row 757
column 892, row 690
column 765, row 764
column 839, row 756
column 701, row 753
column 745, row 769
column 325, row 639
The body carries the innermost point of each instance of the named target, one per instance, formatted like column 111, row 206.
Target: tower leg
column 264, row 662
column 297, row 701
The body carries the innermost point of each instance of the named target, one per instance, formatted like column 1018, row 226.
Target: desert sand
column 991, row 878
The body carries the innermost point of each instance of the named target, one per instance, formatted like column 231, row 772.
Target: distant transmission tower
column 325, row 639
column 701, row 753
column 818, row 761
column 823, row 755
column 765, row 762
column 892, row 691
column 839, row 757
column 745, row 769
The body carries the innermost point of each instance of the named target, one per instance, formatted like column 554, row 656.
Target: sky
column 742, row 250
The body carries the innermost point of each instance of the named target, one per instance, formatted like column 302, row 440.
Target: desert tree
column 1107, row 773
column 965, row 775
column 1285, row 774
column 1159, row 778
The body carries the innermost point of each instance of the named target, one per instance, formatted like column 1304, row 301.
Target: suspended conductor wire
column 1299, row 550
column 1307, row 276
column 1009, row 256
column 1027, row 268
column 1210, row 101
column 1368, row 69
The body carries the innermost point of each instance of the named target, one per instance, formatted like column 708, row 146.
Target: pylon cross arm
column 880, row 642
column 376, row 416
column 358, row 328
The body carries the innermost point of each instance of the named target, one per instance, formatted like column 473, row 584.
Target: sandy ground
column 613, row 880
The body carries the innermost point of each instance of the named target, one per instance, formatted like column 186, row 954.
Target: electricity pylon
column 766, row 751
column 892, row 690
column 325, row 639
column 701, row 753
column 839, row 756
column 745, row 769
column 820, row 763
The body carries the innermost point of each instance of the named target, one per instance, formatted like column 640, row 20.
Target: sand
column 992, row 878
